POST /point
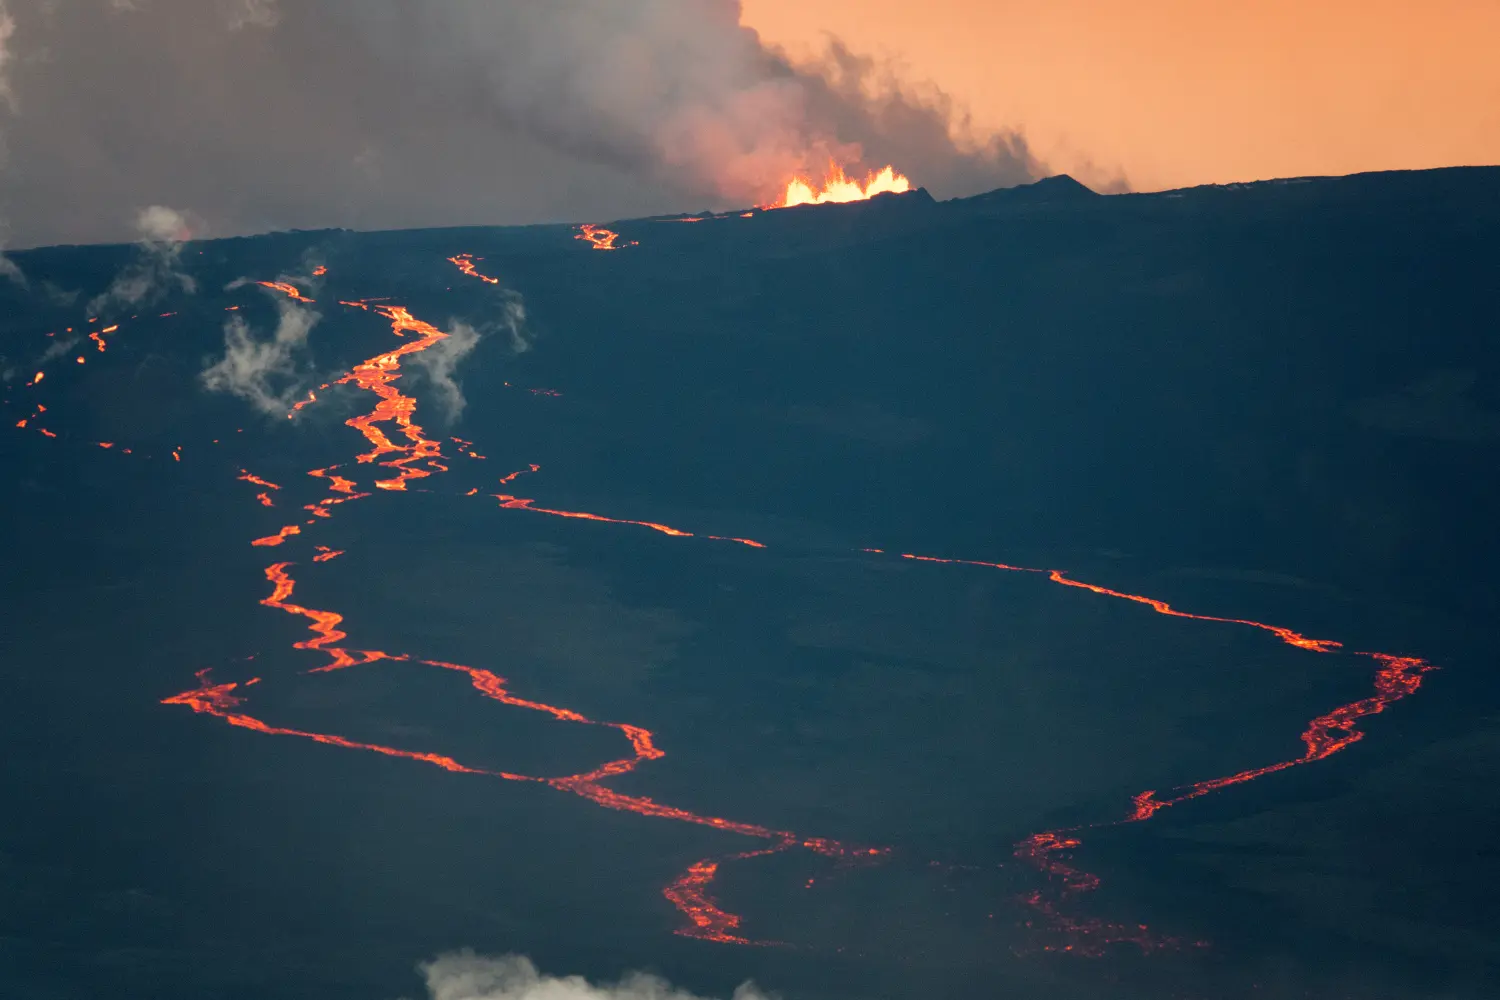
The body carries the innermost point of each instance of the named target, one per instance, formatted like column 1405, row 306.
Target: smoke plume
column 263, row 372
column 154, row 272
column 8, row 267
column 7, row 29
column 467, row 976
column 10, row 271
column 440, row 361
column 395, row 113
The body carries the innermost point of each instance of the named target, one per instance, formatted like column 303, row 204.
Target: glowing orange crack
column 521, row 503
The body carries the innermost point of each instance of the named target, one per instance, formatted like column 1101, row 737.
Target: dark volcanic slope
column 937, row 593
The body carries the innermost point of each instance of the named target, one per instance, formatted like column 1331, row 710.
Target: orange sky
column 1180, row 92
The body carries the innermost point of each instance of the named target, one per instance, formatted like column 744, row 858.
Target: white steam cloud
column 56, row 349
column 440, row 361
column 467, row 976
column 253, row 13
column 154, row 272
column 263, row 372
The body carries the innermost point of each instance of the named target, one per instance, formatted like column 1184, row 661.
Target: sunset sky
column 1180, row 92
column 254, row 115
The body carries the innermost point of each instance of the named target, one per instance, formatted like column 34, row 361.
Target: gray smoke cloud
column 396, row 113
column 154, row 273
column 7, row 29
column 58, row 348
column 264, row 373
column 467, row 976
column 8, row 267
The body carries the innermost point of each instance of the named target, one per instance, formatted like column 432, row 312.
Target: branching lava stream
column 397, row 442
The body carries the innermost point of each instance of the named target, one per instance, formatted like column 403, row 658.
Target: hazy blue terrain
column 1276, row 403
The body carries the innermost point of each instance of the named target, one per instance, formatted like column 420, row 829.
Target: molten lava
column 601, row 238
column 465, row 263
column 397, row 442
column 286, row 288
column 838, row 188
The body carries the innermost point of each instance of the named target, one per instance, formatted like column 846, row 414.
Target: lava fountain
column 837, row 187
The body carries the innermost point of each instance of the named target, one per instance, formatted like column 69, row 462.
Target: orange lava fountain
column 837, row 188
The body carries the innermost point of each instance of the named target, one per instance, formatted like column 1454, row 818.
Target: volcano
column 1072, row 594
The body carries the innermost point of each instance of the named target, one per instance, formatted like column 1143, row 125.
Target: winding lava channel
column 398, row 443
column 418, row 457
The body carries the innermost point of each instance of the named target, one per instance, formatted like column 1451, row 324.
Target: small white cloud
column 56, row 349
column 263, row 372
column 513, row 319
column 154, row 272
column 440, row 361
column 253, row 13
column 8, row 269
column 467, row 976
column 160, row 224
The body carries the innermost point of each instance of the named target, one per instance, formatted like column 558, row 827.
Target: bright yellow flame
column 839, row 188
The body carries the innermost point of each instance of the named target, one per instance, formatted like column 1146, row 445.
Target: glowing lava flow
column 286, row 288
column 1286, row 635
column 246, row 477
column 601, row 238
column 838, row 189
column 1327, row 734
column 1397, row 677
column 521, row 503
column 465, row 263
column 690, row 892
column 221, row 701
column 377, row 375
column 286, row 532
